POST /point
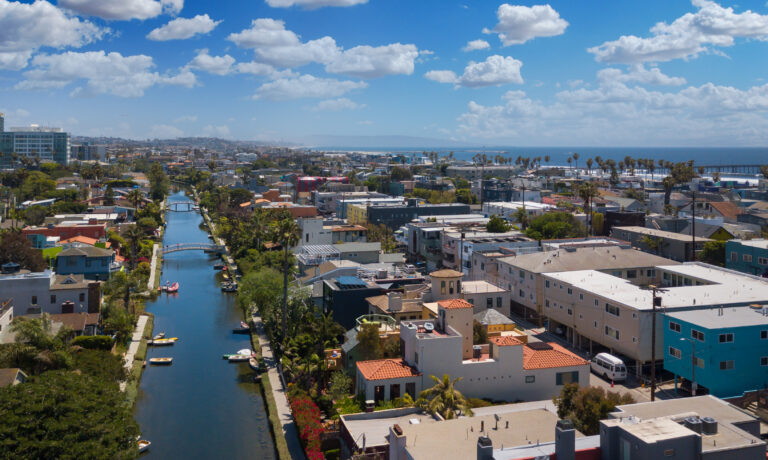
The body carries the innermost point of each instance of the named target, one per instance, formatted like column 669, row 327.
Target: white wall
column 22, row 289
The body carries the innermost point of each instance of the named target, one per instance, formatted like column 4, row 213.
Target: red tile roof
column 505, row 341
column 384, row 369
column 728, row 209
column 451, row 304
column 541, row 355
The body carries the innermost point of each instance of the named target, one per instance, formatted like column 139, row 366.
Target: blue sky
column 598, row 73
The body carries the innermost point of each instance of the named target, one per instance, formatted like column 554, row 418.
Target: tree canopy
column 66, row 415
column 554, row 225
column 15, row 247
column 497, row 225
column 586, row 406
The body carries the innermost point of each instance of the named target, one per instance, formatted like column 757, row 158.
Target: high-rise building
column 36, row 142
column 2, row 122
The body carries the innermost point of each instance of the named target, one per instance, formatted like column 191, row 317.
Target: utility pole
column 656, row 302
column 693, row 365
column 693, row 223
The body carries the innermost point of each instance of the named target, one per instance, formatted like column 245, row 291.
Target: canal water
column 201, row 406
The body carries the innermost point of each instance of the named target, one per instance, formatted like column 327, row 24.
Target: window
column 442, row 287
column 416, row 357
column 698, row 335
column 746, row 257
column 522, row 293
column 581, row 296
column 612, row 309
column 631, row 274
column 450, row 287
column 764, row 334
column 522, row 274
column 650, row 273
column 581, row 316
column 726, row 338
column 546, row 283
column 734, row 256
column 611, row 332
column 764, row 360
column 82, row 297
column 563, row 378
column 530, row 378
column 597, row 302
column 673, row 326
column 570, row 312
column 34, row 300
column 634, row 339
column 617, row 273
column 570, row 291
column 498, row 302
column 53, row 299
column 675, row 353
column 546, row 303
column 489, row 302
column 595, row 324
column 726, row 365
column 762, row 260
column 699, row 362
column 510, row 270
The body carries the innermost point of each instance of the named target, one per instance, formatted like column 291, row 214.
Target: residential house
column 47, row 292
column 675, row 246
column 92, row 262
column 12, row 376
column 747, row 256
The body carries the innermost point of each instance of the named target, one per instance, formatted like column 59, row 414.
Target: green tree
column 35, row 215
column 497, row 225
column 382, row 234
column 713, row 252
column 135, row 197
column 586, row 406
column 159, row 184
column 587, row 192
column 133, row 235
column 480, row 333
column 464, row 195
column 62, row 414
column 15, row 247
column 554, row 225
column 369, row 342
column 109, row 196
column 400, row 173
column 340, row 385
column 444, row 399
column 36, row 185
column 287, row 233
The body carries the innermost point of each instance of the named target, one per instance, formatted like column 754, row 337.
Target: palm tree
column 587, row 191
column 260, row 224
column 135, row 197
column 444, row 399
column 589, row 166
column 287, row 233
column 576, row 160
column 133, row 235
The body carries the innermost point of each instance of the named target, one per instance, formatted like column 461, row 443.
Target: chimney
column 484, row 448
column 565, row 440
column 395, row 301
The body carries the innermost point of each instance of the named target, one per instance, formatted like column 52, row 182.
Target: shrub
column 307, row 417
column 93, row 342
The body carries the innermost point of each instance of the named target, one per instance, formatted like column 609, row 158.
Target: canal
column 200, row 406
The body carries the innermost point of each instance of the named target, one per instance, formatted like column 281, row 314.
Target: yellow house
column 497, row 324
column 357, row 214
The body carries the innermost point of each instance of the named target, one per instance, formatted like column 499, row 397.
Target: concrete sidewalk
column 153, row 268
column 133, row 348
column 278, row 392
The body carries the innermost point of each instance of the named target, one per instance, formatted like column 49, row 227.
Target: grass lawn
column 134, row 378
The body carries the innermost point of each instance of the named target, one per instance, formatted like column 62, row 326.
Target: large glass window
column 564, row 378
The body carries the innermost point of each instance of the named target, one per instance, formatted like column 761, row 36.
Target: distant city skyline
column 651, row 73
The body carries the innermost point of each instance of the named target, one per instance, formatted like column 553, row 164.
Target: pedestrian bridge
column 206, row 247
column 181, row 206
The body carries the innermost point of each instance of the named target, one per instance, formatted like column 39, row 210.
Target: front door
column 68, row 307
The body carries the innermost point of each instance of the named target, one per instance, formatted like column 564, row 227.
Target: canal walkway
column 133, row 348
column 278, row 392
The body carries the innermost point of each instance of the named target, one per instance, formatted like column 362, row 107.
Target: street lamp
column 693, row 364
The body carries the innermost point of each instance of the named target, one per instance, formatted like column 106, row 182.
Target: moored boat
column 219, row 267
column 159, row 336
column 160, row 360
column 254, row 363
column 243, row 329
column 164, row 342
column 143, row 445
column 173, row 288
column 229, row 287
column 239, row 358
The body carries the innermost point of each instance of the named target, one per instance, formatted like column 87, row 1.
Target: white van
column 609, row 366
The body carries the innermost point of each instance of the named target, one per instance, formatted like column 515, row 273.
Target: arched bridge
column 182, row 206
column 207, row 247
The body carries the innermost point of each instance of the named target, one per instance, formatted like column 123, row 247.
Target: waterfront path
column 130, row 355
column 153, row 268
column 278, row 392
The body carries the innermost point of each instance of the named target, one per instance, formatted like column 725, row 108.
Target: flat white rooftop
column 756, row 243
column 729, row 317
column 722, row 287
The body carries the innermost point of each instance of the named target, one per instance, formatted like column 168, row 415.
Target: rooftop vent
column 693, row 424
column 429, row 327
column 10, row 267
column 709, row 425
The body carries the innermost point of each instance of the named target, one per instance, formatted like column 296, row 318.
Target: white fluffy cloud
column 475, row 45
column 336, row 105
column 123, row 9
column 112, row 73
column 639, row 74
column 518, row 24
column 216, row 131
column 616, row 114
column 306, row 86
column 686, row 37
column 217, row 65
column 494, row 71
column 275, row 45
column 24, row 28
column 183, row 28
column 311, row 4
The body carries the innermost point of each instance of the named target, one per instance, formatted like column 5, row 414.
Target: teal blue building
column 731, row 348
column 747, row 256
column 92, row 262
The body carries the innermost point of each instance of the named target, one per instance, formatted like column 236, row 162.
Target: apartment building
column 675, row 246
column 523, row 274
column 747, row 256
column 458, row 246
column 604, row 311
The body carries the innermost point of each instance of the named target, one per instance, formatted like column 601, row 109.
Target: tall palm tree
column 133, row 235
column 135, row 197
column 286, row 232
column 589, row 166
column 444, row 399
column 576, row 160
column 587, row 191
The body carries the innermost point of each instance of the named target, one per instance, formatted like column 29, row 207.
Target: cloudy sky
column 595, row 73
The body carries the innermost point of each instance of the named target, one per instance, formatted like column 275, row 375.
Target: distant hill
column 383, row 142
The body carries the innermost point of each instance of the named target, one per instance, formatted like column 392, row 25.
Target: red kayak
column 173, row 288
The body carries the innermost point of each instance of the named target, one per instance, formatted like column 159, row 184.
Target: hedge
column 93, row 342
column 307, row 417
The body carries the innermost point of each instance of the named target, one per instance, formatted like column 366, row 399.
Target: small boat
column 243, row 329
column 164, row 342
column 239, row 358
column 210, row 237
column 173, row 288
column 254, row 364
column 219, row 267
column 225, row 276
column 157, row 361
column 143, row 445
column 229, row 287
column 159, row 336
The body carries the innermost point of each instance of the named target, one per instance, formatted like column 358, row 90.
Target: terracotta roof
column 245, row 205
column 384, row 369
column 452, row 304
column 542, row 355
column 446, row 273
column 728, row 209
column 379, row 301
column 76, row 321
column 505, row 341
column 85, row 240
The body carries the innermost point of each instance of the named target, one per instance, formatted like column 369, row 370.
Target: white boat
column 239, row 358
column 159, row 336
column 254, row 363
column 164, row 342
column 143, row 445
column 160, row 360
